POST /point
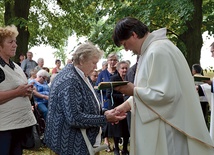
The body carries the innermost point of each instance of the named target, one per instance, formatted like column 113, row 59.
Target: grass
column 41, row 151
column 46, row 151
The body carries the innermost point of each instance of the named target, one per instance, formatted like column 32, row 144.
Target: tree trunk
column 19, row 9
column 192, row 38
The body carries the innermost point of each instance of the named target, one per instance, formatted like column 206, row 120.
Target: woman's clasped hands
column 114, row 116
column 25, row 90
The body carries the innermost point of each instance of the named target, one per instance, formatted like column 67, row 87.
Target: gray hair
column 33, row 71
column 40, row 59
column 86, row 51
column 121, row 62
column 104, row 63
column 113, row 55
column 42, row 73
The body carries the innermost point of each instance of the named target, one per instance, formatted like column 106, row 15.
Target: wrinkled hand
column 25, row 90
column 126, row 89
column 113, row 116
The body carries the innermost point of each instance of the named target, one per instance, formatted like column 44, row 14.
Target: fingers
column 25, row 90
column 126, row 89
column 27, row 94
column 114, row 116
column 118, row 119
column 29, row 90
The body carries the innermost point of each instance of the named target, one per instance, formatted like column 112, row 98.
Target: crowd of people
column 158, row 112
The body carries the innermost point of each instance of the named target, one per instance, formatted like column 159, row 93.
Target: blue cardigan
column 72, row 106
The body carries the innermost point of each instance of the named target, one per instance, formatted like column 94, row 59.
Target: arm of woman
column 39, row 95
column 20, row 91
column 78, row 106
column 78, row 111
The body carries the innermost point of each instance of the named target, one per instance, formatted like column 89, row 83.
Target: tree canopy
column 51, row 22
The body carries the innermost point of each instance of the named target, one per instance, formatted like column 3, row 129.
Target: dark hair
column 21, row 55
column 46, row 68
column 126, row 26
column 57, row 61
column 197, row 68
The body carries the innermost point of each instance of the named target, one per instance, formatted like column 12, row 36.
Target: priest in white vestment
column 166, row 117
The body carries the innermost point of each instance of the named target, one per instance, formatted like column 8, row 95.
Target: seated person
column 41, row 91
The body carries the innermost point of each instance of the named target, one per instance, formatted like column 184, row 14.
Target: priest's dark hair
column 125, row 28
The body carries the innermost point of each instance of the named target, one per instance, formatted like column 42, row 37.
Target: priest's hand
column 126, row 89
column 207, row 81
column 123, row 108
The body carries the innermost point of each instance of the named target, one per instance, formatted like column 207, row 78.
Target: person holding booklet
column 165, row 109
column 104, row 76
column 116, row 98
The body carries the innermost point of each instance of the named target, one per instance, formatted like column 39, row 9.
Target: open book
column 106, row 85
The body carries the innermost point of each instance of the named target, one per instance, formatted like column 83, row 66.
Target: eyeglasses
column 42, row 77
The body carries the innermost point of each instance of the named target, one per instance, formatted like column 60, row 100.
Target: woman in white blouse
column 16, row 115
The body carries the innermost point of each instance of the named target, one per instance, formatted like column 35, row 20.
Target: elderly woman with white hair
column 41, row 91
column 74, row 105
